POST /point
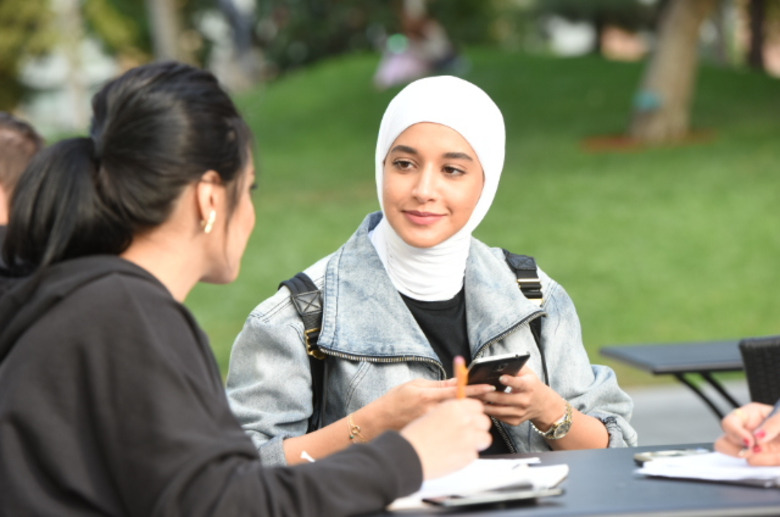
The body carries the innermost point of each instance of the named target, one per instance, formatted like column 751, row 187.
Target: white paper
column 484, row 474
column 712, row 466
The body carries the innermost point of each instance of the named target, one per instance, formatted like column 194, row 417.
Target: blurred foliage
column 468, row 22
column 627, row 14
column 297, row 32
column 121, row 26
column 292, row 33
column 632, row 15
column 25, row 29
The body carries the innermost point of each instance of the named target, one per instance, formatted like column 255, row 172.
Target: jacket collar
column 364, row 315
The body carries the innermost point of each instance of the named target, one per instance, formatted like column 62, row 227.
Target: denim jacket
column 373, row 343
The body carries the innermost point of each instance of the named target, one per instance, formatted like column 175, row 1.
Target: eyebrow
column 453, row 155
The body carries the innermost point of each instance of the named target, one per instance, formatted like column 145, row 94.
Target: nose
column 425, row 186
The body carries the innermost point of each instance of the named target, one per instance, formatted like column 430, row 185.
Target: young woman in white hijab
column 410, row 290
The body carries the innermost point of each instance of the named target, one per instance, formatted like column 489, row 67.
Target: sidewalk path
column 673, row 414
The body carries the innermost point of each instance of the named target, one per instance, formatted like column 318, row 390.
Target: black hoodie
column 111, row 403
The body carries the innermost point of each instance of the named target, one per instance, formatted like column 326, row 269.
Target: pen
column 461, row 375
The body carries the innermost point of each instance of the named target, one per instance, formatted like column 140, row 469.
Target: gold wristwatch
column 560, row 428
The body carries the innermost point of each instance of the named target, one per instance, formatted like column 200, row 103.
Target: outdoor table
column 602, row 482
column 684, row 359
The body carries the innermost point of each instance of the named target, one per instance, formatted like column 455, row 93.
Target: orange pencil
column 461, row 375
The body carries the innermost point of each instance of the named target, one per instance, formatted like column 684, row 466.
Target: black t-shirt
column 444, row 324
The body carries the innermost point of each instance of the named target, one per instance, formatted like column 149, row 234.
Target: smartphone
column 641, row 458
column 487, row 370
column 506, row 495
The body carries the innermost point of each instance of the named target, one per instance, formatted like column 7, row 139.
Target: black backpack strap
column 528, row 280
column 307, row 299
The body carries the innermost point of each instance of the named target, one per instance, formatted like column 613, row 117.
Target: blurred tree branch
column 26, row 29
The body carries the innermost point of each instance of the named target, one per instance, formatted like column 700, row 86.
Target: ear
column 209, row 194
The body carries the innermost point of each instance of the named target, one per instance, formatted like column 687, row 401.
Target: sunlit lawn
column 662, row 245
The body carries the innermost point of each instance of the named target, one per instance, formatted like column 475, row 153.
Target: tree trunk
column 71, row 27
column 166, row 30
column 757, row 13
column 663, row 104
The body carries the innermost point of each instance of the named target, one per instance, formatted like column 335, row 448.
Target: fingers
column 449, row 436
column 769, row 430
column 734, row 425
column 725, row 445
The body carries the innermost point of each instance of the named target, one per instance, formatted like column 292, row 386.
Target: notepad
column 715, row 467
column 486, row 474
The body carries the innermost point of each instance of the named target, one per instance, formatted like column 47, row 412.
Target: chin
column 422, row 242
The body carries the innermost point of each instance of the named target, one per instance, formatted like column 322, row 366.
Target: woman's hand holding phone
column 527, row 398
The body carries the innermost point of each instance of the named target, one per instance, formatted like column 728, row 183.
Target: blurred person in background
column 18, row 144
column 422, row 49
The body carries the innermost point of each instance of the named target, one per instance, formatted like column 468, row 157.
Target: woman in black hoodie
column 111, row 402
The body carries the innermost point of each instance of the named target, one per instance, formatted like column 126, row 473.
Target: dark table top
column 602, row 482
column 711, row 356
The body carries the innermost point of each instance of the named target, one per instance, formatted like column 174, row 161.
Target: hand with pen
column 752, row 432
column 451, row 434
column 414, row 398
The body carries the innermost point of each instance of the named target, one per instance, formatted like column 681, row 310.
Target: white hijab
column 436, row 273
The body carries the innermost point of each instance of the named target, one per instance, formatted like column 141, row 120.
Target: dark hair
column 155, row 129
column 18, row 144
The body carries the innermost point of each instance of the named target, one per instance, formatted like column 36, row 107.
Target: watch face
column 562, row 430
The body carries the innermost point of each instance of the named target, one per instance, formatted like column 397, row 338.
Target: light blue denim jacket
column 374, row 343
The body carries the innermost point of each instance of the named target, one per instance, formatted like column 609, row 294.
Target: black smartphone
column 487, row 370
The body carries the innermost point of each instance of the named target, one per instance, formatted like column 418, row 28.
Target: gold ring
column 739, row 413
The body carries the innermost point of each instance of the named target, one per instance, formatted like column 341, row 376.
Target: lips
column 422, row 218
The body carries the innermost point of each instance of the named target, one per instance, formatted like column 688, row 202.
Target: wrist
column 558, row 428
column 369, row 424
column 552, row 411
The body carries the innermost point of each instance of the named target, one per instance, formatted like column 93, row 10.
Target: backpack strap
column 307, row 299
column 528, row 280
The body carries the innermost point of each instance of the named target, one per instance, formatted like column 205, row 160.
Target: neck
column 161, row 253
column 425, row 274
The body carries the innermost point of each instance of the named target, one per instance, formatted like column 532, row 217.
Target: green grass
column 661, row 245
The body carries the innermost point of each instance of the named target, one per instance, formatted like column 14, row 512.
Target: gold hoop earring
column 209, row 225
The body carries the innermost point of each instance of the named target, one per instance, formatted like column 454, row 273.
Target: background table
column 602, row 482
column 683, row 359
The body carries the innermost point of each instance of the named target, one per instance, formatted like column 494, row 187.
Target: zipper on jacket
column 395, row 359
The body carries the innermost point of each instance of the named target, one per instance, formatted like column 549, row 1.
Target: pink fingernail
column 760, row 434
column 746, row 442
column 756, row 448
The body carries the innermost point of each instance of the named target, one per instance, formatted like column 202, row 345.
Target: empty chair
column 761, row 356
